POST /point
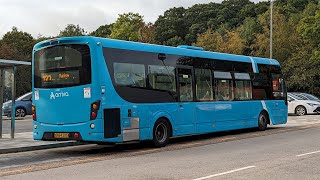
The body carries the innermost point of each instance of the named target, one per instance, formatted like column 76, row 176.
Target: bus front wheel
column 262, row 121
column 161, row 133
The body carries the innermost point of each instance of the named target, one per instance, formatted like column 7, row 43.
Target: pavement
column 23, row 141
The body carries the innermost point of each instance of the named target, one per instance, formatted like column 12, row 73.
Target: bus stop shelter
column 9, row 65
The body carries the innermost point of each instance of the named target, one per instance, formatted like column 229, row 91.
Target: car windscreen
column 296, row 97
column 301, row 96
column 311, row 97
column 62, row 66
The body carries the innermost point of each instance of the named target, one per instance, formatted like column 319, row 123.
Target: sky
column 48, row 17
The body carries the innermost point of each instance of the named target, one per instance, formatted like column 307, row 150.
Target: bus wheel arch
column 268, row 117
column 161, row 132
column 263, row 120
column 170, row 125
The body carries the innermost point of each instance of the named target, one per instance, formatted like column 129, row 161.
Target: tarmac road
column 289, row 155
column 283, row 152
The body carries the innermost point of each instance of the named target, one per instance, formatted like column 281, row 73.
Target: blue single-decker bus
column 111, row 91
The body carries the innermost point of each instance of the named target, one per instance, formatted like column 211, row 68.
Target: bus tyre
column 300, row 111
column 262, row 121
column 161, row 133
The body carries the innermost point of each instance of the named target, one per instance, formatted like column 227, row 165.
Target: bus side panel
column 205, row 117
column 256, row 107
column 168, row 111
column 268, row 105
column 278, row 111
column 231, row 115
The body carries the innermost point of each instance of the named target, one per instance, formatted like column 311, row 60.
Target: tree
column 146, row 33
column 102, row 31
column 209, row 40
column 127, row 27
column 175, row 41
column 171, row 25
column 18, row 45
column 248, row 32
column 21, row 43
column 232, row 43
column 72, row 30
column 309, row 28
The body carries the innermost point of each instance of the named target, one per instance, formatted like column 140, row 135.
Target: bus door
column 279, row 104
column 186, row 97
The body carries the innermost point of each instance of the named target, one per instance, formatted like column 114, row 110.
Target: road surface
column 281, row 152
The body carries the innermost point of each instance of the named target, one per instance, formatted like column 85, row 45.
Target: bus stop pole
column 1, row 98
column 13, row 110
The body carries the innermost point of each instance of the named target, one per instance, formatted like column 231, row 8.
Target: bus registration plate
column 61, row 135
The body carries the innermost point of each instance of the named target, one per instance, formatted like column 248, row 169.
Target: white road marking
column 224, row 173
column 314, row 152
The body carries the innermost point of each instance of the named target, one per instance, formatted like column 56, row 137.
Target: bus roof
column 129, row 45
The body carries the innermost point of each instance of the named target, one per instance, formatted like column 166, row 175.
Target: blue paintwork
column 72, row 113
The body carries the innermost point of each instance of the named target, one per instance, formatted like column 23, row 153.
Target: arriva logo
column 58, row 95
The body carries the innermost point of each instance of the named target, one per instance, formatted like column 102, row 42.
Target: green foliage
column 102, row 31
column 309, row 28
column 127, row 27
column 171, row 27
column 18, row 45
column 72, row 30
column 209, row 40
column 146, row 33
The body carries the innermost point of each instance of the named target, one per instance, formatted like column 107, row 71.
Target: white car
column 300, row 107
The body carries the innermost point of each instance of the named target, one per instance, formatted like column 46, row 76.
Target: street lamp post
column 271, row 27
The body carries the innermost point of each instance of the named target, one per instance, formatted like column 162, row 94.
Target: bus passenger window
column 203, row 84
column 129, row 74
column 243, row 90
column 224, row 90
column 162, row 78
column 243, row 87
column 224, row 87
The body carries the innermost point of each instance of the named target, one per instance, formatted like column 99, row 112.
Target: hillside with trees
column 233, row 26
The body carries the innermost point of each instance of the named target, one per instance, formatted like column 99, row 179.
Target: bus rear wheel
column 262, row 121
column 161, row 133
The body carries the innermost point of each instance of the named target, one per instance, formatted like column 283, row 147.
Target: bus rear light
column 34, row 116
column 94, row 110
column 76, row 135
column 93, row 115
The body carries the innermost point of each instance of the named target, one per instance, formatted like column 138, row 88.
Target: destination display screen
column 65, row 78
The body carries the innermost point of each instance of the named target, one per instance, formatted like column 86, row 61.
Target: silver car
column 300, row 106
